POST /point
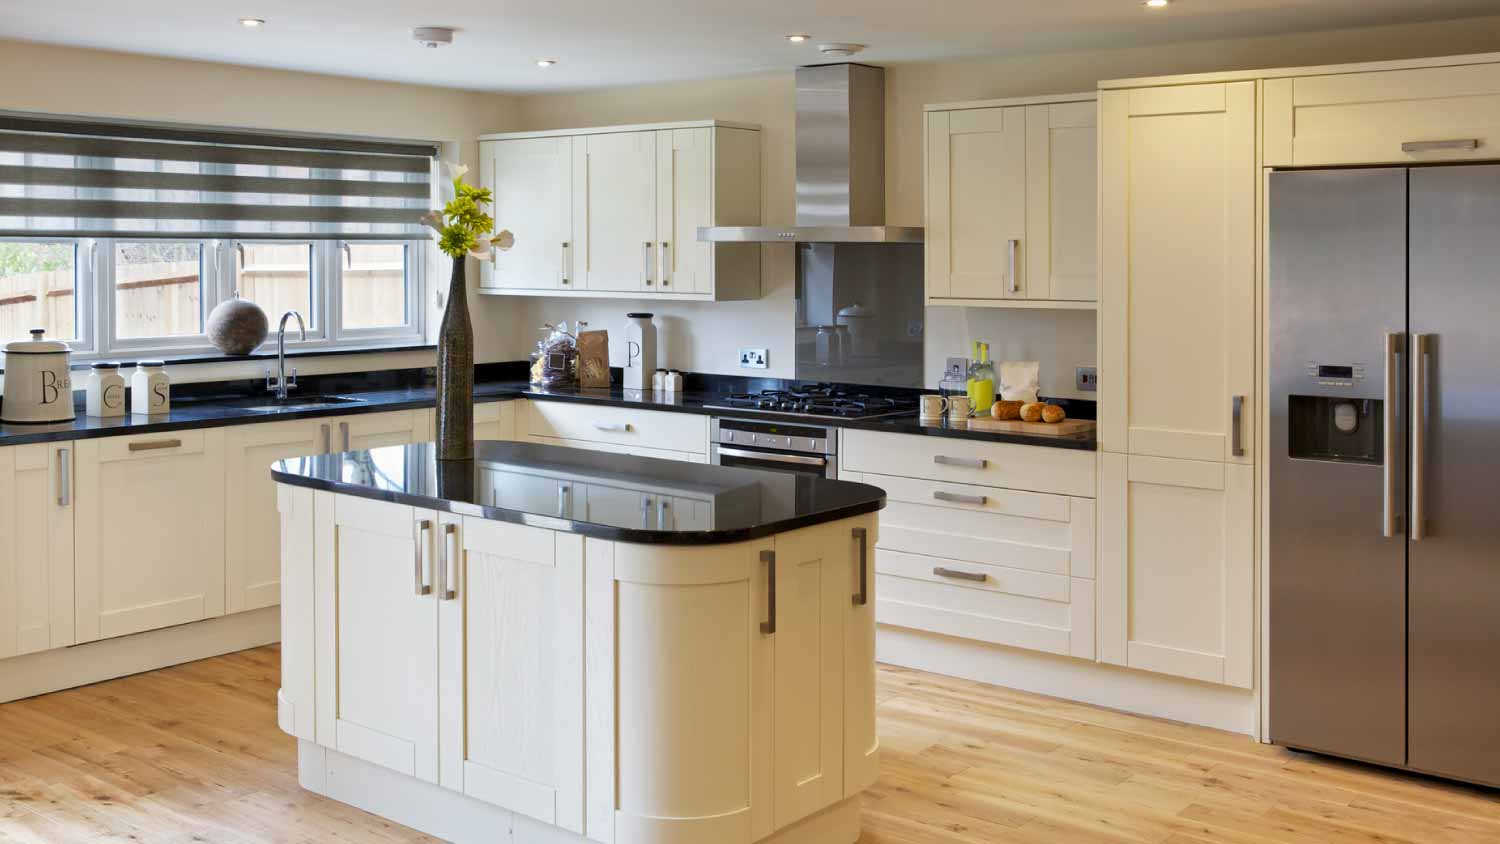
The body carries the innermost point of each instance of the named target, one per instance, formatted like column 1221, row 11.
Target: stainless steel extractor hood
column 840, row 136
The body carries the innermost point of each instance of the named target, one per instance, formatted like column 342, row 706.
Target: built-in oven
column 777, row 446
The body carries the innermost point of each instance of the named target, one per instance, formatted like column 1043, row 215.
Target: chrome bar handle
column 327, row 438
column 1416, row 530
column 613, row 427
column 966, row 462
column 450, row 562
column 64, row 477
column 661, row 513
column 862, row 597
column 421, row 562
column 1388, row 456
column 1237, row 426
column 646, row 263
column 645, row 512
column 1434, row 146
column 960, row 498
column 976, row 576
column 768, row 627
column 563, row 491
column 344, row 433
column 662, row 265
column 563, row 264
column 1011, row 247
column 154, row 445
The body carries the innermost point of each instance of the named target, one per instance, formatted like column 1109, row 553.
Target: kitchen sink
column 302, row 403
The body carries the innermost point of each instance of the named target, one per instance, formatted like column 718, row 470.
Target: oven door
column 821, row 465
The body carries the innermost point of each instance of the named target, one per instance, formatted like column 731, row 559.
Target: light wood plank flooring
column 192, row 754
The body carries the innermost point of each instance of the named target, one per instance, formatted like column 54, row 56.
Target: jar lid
column 150, row 364
column 106, row 365
column 639, row 316
column 36, row 345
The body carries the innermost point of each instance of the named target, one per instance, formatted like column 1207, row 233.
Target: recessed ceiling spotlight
column 840, row 50
column 797, row 39
column 545, row 62
column 252, row 23
column 433, row 36
column 1156, row 4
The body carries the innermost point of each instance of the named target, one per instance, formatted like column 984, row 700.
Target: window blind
column 64, row 178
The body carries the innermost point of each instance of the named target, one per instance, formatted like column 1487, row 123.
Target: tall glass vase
column 455, row 373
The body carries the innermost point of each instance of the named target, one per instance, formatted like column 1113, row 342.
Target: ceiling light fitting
column 840, row 51
column 545, row 62
column 797, row 39
column 252, row 23
column 432, row 36
column 1156, row 4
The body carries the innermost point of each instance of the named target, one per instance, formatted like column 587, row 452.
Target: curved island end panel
column 554, row 645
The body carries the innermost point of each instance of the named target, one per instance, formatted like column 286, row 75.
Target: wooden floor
column 192, row 754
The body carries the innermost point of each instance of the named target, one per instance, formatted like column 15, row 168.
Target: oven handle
column 774, row 457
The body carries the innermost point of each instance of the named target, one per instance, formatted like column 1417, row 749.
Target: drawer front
column 980, row 576
column 971, row 498
column 619, row 426
column 996, row 618
column 149, row 446
column 1402, row 116
column 1025, row 467
column 1064, row 548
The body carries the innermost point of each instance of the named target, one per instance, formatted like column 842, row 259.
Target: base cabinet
column 1177, row 567
column 36, row 548
column 252, row 547
column 149, row 541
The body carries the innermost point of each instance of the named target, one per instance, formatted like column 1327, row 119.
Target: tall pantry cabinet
column 1178, row 172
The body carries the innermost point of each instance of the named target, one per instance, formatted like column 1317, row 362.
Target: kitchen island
column 557, row 645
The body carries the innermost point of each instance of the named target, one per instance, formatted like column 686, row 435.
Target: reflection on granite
column 609, row 496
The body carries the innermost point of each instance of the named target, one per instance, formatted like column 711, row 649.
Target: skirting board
column 1094, row 683
column 460, row 819
column 64, row 668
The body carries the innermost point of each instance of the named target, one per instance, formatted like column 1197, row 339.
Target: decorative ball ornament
column 236, row 326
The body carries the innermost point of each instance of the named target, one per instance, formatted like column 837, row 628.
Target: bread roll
column 1006, row 409
column 1052, row 413
column 1031, row 412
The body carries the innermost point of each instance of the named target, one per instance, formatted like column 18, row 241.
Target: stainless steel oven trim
column 773, row 456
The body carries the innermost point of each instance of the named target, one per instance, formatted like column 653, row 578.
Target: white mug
column 933, row 407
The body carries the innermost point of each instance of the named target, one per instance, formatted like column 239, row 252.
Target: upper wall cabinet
column 1398, row 116
column 1177, row 188
column 614, row 212
column 1012, row 203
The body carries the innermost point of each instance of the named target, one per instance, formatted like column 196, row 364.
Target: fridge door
column 1454, row 726
column 1337, row 313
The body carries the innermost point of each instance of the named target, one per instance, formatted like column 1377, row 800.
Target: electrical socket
column 956, row 369
column 754, row 359
column 1087, row 378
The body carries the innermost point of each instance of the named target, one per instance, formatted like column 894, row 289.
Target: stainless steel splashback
column 840, row 141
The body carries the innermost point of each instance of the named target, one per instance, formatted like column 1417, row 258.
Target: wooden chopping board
column 1067, row 427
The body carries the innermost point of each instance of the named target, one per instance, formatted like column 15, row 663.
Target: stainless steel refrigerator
column 1384, row 471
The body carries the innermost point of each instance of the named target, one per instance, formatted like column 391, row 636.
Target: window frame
column 83, row 289
column 415, row 268
column 108, row 317
column 322, row 281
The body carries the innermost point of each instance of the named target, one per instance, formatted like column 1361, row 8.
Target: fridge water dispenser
column 1331, row 428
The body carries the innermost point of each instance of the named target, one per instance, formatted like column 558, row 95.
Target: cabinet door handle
column 960, row 498
column 450, row 562
column 344, row 434
column 646, row 263
column 154, row 445
column 663, row 265
column 422, row 563
column 614, row 427
column 1433, row 146
column 862, row 597
column 662, row 505
column 976, row 576
column 64, row 477
column 1417, row 530
column 768, row 626
column 1237, row 425
column 1387, row 469
column 645, row 512
column 1011, row 247
column 327, row 438
column 563, row 491
column 563, row 264
column 967, row 462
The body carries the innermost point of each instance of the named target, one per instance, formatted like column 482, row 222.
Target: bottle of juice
column 981, row 380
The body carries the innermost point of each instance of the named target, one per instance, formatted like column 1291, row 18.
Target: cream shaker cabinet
column 36, row 548
column 1011, row 203
column 614, row 212
column 1177, row 306
column 149, row 538
column 252, row 528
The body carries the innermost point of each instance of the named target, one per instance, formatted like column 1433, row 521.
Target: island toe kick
column 482, row 680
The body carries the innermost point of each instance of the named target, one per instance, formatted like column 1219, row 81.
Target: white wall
column 704, row 337
column 94, row 83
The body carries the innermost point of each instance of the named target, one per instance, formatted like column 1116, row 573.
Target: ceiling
column 615, row 42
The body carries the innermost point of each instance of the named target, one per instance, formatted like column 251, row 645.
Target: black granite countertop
column 663, row 502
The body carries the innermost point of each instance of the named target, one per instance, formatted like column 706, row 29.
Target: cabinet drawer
column 1055, row 470
column 971, row 498
column 619, row 426
column 1064, row 628
column 986, row 578
column 990, row 538
column 148, row 446
column 1439, row 113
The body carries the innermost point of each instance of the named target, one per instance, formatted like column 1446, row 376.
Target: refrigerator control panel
column 1336, row 375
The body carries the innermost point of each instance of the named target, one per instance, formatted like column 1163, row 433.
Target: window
column 124, row 238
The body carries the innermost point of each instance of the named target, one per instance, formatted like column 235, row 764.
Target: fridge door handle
column 1388, row 526
column 1419, row 348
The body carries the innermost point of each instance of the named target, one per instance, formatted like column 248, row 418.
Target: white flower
column 454, row 170
column 504, row 240
column 484, row 250
column 433, row 220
